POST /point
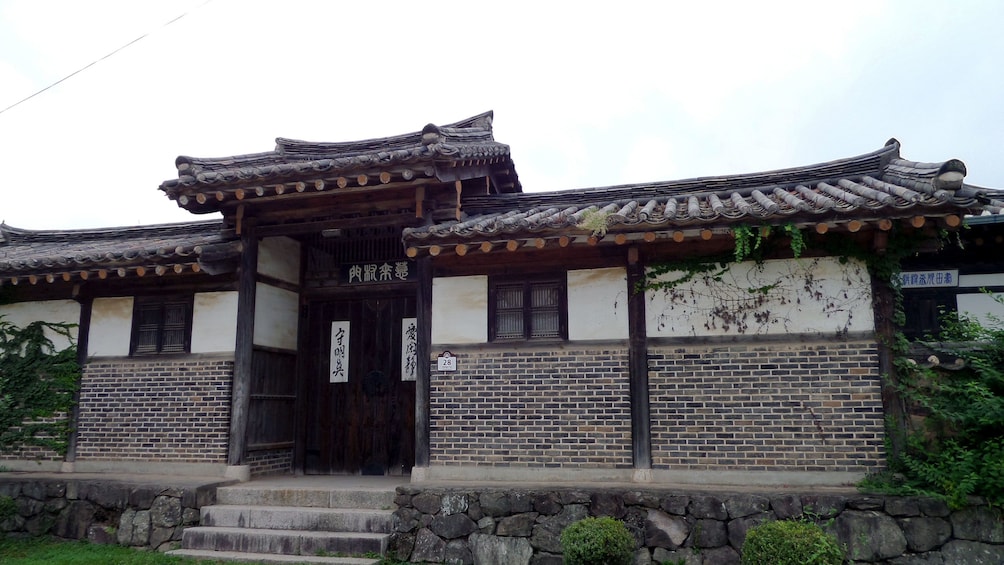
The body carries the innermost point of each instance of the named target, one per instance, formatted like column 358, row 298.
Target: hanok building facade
column 400, row 305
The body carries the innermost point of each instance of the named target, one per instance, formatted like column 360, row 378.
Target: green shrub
column 789, row 542
column 597, row 541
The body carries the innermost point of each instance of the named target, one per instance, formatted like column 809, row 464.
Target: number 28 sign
column 446, row 362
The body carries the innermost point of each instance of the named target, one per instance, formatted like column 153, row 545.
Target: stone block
column 663, row 530
column 869, row 535
column 925, row 533
column 496, row 550
column 453, row 526
column 978, row 523
column 517, row 525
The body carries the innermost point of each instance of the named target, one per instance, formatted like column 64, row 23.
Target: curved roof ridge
column 289, row 149
column 870, row 163
column 10, row 232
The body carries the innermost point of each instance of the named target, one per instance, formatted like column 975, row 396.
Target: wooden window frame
column 528, row 283
column 141, row 303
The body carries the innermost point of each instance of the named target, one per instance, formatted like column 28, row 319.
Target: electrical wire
column 96, row 61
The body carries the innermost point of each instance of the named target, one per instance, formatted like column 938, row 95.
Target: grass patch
column 49, row 551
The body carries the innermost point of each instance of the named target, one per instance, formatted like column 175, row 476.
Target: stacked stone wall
column 800, row 407
column 542, row 407
column 519, row 526
column 148, row 409
column 103, row 511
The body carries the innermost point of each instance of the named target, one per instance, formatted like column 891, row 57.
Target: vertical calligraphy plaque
column 339, row 367
column 409, row 349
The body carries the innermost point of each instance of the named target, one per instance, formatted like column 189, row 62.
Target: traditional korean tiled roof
column 203, row 183
column 871, row 187
column 28, row 255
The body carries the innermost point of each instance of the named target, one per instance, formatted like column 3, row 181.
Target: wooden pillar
column 83, row 335
column 641, row 426
column 884, row 300
column 240, row 394
column 423, row 378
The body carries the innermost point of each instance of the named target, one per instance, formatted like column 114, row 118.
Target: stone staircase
column 294, row 520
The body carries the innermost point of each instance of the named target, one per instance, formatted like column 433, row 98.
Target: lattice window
column 528, row 309
column 161, row 325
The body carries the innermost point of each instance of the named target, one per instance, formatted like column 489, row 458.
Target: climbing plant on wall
column 37, row 382
column 743, row 291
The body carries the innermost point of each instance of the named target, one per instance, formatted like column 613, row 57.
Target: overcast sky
column 586, row 93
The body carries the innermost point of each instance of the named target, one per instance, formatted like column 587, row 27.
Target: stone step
column 204, row 554
column 378, row 499
column 285, row 542
column 298, row 518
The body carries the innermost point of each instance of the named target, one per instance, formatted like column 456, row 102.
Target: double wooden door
column 364, row 421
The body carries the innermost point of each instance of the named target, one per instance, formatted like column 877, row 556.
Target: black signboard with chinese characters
column 376, row 272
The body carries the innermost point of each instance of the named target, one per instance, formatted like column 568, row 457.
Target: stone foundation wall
column 103, row 511
column 774, row 406
column 150, row 409
column 522, row 526
column 551, row 407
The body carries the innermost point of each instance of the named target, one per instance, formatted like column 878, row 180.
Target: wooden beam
column 952, row 221
column 679, row 236
column 384, row 177
column 564, row 241
column 362, row 180
column 486, row 246
column 540, row 243
column 460, row 188
column 918, row 221
column 855, row 226
column 885, row 224
column 649, row 236
column 641, row 426
column 423, row 352
column 434, row 250
column 419, row 202
column 411, row 252
column 319, row 185
column 620, row 239
column 342, row 182
column 240, row 396
column 822, row 228
column 461, row 249
column 706, row 234
column 512, row 245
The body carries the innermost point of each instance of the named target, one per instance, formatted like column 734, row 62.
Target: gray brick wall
column 270, row 462
column 539, row 407
column 767, row 407
column 149, row 409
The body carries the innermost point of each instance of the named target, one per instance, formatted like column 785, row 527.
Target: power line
column 96, row 61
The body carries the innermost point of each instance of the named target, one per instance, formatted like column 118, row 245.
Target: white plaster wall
column 460, row 309
column 978, row 281
column 111, row 327
column 55, row 311
column 982, row 308
column 279, row 257
column 214, row 322
column 597, row 304
column 838, row 299
column 276, row 317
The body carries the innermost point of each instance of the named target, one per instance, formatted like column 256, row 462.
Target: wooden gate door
column 366, row 424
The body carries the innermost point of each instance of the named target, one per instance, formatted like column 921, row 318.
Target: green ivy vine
column 37, row 383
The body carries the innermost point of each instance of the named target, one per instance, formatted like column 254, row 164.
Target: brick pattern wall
column 767, row 407
column 36, row 452
column 270, row 462
column 539, row 407
column 172, row 410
